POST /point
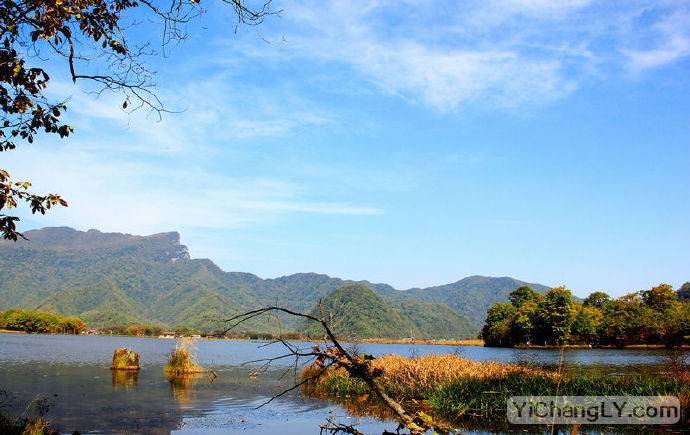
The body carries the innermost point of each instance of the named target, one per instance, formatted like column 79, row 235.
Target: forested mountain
column 472, row 296
column 113, row 278
column 358, row 311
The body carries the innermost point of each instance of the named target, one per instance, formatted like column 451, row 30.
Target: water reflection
column 182, row 386
column 124, row 379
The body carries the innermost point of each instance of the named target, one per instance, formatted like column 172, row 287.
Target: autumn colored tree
column 89, row 40
column 659, row 297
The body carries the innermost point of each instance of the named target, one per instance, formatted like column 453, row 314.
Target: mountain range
column 115, row 279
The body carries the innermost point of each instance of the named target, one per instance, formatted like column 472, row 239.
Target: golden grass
column 38, row 426
column 181, row 360
column 417, row 376
column 450, row 387
column 430, row 370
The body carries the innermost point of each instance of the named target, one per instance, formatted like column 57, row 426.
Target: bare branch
column 334, row 354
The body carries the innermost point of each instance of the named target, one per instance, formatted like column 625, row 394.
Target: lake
column 72, row 375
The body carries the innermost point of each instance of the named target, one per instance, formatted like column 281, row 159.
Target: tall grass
column 414, row 378
column 181, row 360
column 454, row 389
column 486, row 398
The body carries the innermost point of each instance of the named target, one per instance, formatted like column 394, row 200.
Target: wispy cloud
column 496, row 53
column 440, row 75
column 216, row 109
column 670, row 38
column 114, row 194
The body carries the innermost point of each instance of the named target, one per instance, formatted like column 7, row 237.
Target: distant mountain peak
column 161, row 246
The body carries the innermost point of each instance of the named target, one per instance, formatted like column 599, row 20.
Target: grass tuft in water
column 181, row 360
column 125, row 359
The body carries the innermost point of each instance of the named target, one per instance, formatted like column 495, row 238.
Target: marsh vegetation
column 181, row 361
column 454, row 391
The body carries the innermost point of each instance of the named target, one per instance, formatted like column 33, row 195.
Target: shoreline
column 431, row 342
column 9, row 331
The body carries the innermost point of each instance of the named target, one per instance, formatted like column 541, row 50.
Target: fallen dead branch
column 331, row 354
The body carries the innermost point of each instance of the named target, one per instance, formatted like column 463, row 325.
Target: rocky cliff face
column 164, row 247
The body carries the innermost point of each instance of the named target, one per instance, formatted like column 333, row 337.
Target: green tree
column 40, row 322
column 524, row 325
column 684, row 292
column 628, row 321
column 597, row 299
column 557, row 315
column 497, row 329
column 672, row 324
column 586, row 325
column 524, row 294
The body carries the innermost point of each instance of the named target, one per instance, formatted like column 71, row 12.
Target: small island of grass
column 181, row 361
column 125, row 359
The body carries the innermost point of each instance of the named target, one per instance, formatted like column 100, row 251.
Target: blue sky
column 412, row 143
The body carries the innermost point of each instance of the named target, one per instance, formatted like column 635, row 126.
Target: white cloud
column 425, row 65
column 445, row 79
column 672, row 37
column 216, row 109
column 495, row 53
column 118, row 195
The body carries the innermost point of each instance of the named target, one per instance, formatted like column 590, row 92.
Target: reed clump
column 414, row 378
column 125, row 359
column 181, row 360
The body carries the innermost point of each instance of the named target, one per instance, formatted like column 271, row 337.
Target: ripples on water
column 73, row 373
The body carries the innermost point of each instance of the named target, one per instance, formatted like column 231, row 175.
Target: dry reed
column 416, row 377
column 181, row 360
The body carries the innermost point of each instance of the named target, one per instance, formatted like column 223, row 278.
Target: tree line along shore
column 659, row 316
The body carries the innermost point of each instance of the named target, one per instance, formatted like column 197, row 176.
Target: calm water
column 72, row 374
